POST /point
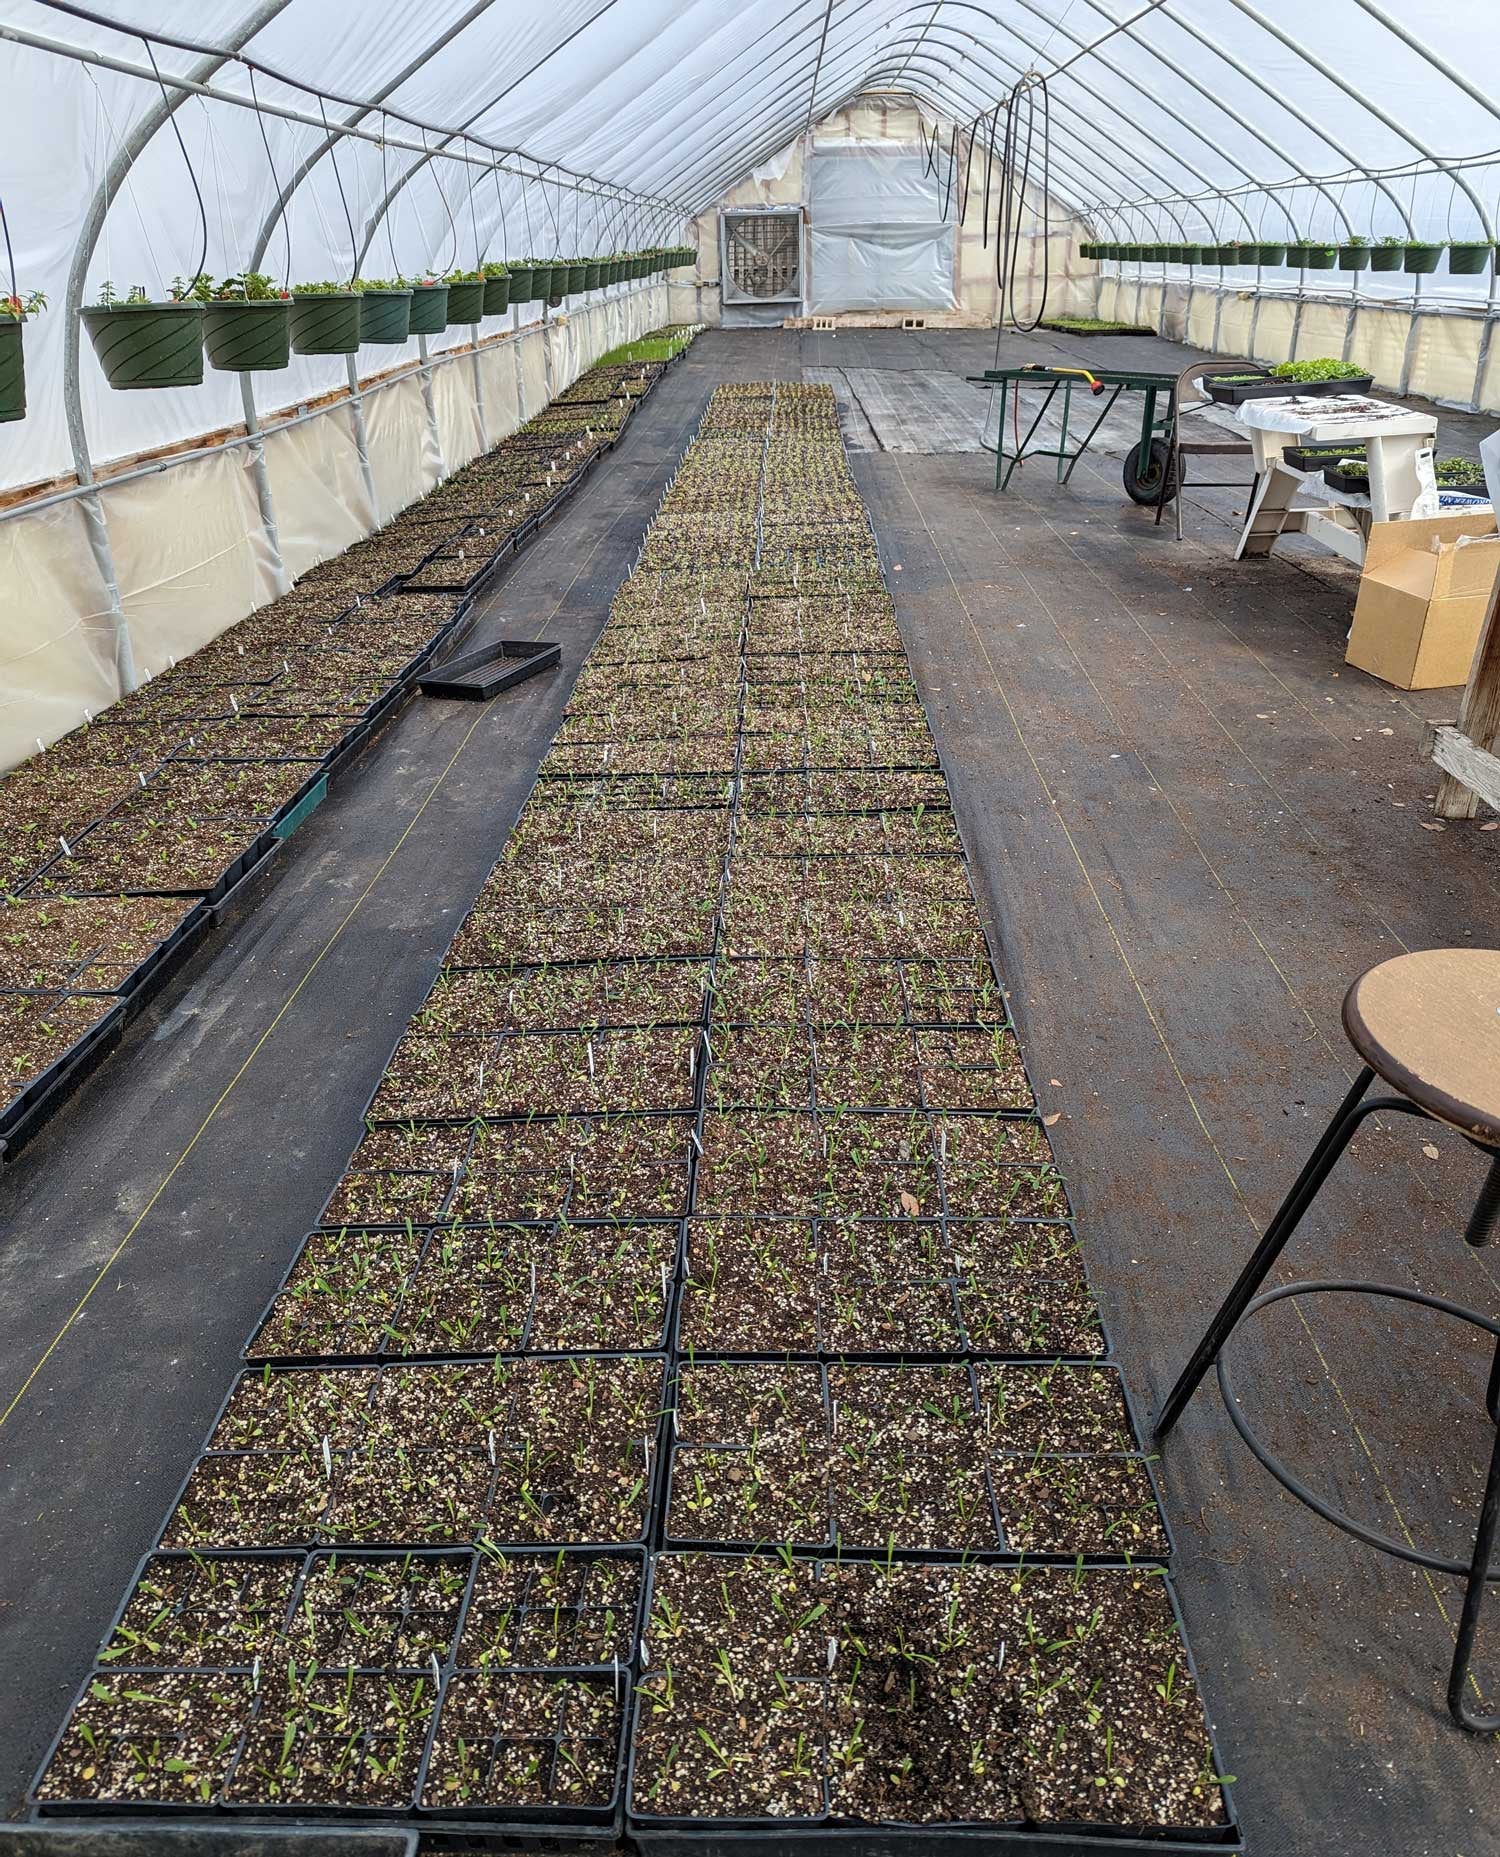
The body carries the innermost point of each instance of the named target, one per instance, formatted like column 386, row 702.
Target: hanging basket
column 1422, row 260
column 497, row 294
column 1387, row 257
column 385, row 316
column 541, row 281
column 466, row 303
column 326, row 325
column 593, row 277
column 522, row 280
column 578, row 279
column 1468, row 260
column 12, row 370
column 248, row 338
column 1353, row 257
column 148, row 344
column 1268, row 254
column 429, row 310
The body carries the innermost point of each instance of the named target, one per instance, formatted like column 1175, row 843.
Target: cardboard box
column 1423, row 597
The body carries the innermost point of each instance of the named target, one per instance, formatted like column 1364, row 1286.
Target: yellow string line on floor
column 1379, row 1476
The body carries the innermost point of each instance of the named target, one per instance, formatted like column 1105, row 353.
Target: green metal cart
column 1148, row 473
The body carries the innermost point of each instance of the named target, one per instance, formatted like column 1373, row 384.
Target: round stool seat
column 1429, row 1023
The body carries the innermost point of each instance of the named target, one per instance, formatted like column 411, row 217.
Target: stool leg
column 1320, row 1162
column 1479, row 1567
column 1485, row 1217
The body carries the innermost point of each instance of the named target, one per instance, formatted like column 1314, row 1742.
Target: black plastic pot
column 143, row 345
column 1338, row 480
column 385, row 316
column 466, row 303
column 1387, row 257
column 497, row 294
column 1468, row 260
column 326, row 325
column 242, row 338
column 12, row 370
column 1353, row 257
column 429, row 309
column 1422, row 260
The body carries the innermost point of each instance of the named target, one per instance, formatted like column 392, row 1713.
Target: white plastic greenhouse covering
column 502, row 127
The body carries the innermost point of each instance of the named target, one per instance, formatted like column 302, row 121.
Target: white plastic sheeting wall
column 878, row 241
column 190, row 551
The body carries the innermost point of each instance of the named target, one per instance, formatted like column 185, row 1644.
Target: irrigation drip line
column 1021, row 118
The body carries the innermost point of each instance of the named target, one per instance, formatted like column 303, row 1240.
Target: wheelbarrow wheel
column 1147, row 488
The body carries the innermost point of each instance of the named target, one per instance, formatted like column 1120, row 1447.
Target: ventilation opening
column 913, row 322
column 823, row 322
column 762, row 257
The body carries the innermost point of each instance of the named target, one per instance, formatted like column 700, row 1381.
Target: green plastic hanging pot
column 148, row 344
column 248, row 337
column 642, row 264
column 593, row 275
column 1353, row 257
column 497, row 294
column 426, row 311
column 1468, row 260
column 1387, row 257
column 541, row 281
column 326, row 325
column 465, row 303
column 1191, row 254
column 522, row 282
column 385, row 316
column 12, row 370
column 578, row 276
column 1268, row 254
column 1422, row 260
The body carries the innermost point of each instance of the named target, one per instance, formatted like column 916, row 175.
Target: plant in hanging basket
column 578, row 274
column 465, row 298
column 1267, row 254
column 13, row 312
column 497, row 288
column 1308, row 256
column 1468, row 258
column 247, row 324
column 1421, row 259
column 141, row 343
column 325, row 318
column 1389, row 254
column 388, row 310
column 1354, row 254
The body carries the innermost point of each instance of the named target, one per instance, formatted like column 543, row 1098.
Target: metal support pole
column 261, row 478
column 483, row 423
column 361, row 438
column 429, row 402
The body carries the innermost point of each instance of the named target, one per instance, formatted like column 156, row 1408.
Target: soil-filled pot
column 541, row 281
column 1468, row 260
column 1387, row 257
column 385, row 316
column 249, row 337
column 326, row 325
column 1422, row 260
column 429, row 309
column 12, row 370
column 593, row 275
column 522, row 282
column 641, row 265
column 148, row 344
column 1353, row 257
column 578, row 277
column 1221, row 254
column 497, row 294
column 1268, row 254
column 1320, row 257
column 465, row 303
column 1191, row 254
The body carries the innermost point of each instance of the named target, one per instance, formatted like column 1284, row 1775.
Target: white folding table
column 1392, row 437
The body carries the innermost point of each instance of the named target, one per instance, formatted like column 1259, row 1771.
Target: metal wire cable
column 198, row 269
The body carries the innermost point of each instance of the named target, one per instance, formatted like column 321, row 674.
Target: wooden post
column 1478, row 719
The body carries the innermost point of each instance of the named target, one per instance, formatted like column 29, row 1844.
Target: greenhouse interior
column 928, row 569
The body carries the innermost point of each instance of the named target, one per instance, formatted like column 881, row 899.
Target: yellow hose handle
column 1040, row 367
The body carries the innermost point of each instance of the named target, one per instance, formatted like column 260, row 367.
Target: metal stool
column 1429, row 1025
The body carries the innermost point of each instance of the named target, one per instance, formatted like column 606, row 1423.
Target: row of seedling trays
column 703, row 1226
column 128, row 837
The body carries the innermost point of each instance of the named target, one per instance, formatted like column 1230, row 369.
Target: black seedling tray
column 1315, row 457
column 24, row 1113
column 1062, row 328
column 653, row 1835
column 1342, row 480
column 481, row 674
column 428, row 1236
column 1237, row 393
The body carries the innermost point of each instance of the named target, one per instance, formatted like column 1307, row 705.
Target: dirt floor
column 1192, row 826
